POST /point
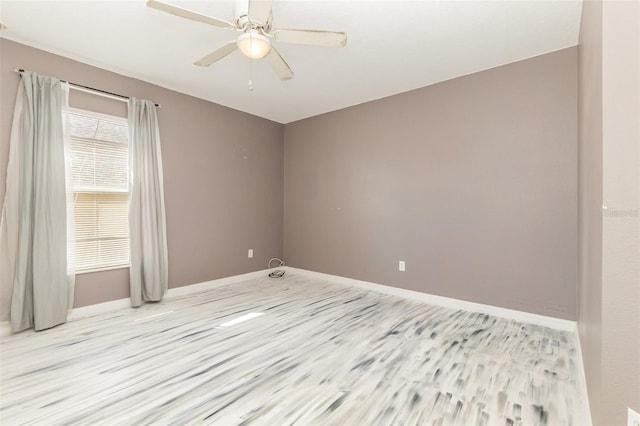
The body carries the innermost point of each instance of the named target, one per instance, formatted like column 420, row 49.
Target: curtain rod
column 91, row 89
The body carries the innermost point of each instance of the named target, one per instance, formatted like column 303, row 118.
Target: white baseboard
column 543, row 320
column 5, row 329
column 582, row 382
column 98, row 308
column 116, row 305
column 208, row 285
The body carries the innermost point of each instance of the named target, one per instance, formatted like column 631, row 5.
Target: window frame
column 103, row 116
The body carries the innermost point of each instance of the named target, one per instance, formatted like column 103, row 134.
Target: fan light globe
column 254, row 45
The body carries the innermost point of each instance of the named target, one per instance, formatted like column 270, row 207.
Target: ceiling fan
column 253, row 19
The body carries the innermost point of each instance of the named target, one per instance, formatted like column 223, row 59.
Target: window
column 99, row 168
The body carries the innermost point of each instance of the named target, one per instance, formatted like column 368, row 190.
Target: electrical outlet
column 401, row 266
column 633, row 418
column 250, row 254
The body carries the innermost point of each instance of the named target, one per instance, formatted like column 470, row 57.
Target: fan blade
column 315, row 38
column 281, row 68
column 260, row 10
column 188, row 14
column 217, row 55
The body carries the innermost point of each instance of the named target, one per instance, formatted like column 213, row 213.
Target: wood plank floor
column 320, row 353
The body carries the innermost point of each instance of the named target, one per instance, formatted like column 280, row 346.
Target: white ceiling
column 393, row 46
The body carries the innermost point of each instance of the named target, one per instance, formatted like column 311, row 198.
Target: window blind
column 99, row 169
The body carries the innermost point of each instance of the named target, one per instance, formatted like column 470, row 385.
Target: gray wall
column 590, row 196
column 609, row 249
column 621, row 225
column 473, row 182
column 223, row 175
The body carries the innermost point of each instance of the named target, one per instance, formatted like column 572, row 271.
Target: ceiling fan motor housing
column 243, row 21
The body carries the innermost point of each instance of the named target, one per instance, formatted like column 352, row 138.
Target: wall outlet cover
column 250, row 253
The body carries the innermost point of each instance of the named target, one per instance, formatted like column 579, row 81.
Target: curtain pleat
column 33, row 230
column 149, row 277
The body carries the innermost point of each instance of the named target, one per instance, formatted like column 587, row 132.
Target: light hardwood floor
column 320, row 353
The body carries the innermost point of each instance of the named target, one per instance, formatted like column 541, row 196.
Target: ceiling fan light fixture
column 254, row 45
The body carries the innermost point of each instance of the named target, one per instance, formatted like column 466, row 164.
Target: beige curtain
column 149, row 276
